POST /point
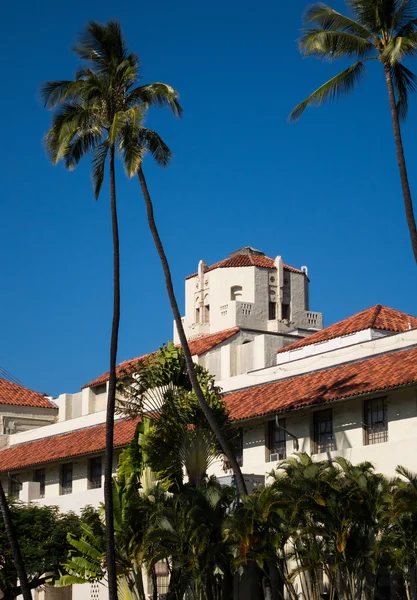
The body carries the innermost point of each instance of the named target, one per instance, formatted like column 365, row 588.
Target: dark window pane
column 94, row 477
column 277, row 442
column 40, row 478
column 272, row 311
column 323, row 431
column 15, row 486
column 375, row 421
column 66, row 479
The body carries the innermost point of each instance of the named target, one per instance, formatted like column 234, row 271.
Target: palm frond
column 329, row 45
column 328, row 18
column 154, row 144
column 98, row 166
column 82, row 145
column 54, row 92
column 342, row 83
column 405, row 83
column 374, row 15
column 156, row 94
column 398, row 48
column 404, row 16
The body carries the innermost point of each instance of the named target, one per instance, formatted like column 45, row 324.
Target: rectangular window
column 286, row 311
column 100, row 389
column 66, row 479
column 272, row 311
column 375, row 421
column 197, row 316
column 277, row 441
column 94, row 472
column 322, row 431
column 207, row 313
column 40, row 478
column 15, row 486
column 239, row 449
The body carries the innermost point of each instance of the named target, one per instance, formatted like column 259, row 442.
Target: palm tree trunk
column 111, row 397
column 14, row 545
column 408, row 203
column 241, row 486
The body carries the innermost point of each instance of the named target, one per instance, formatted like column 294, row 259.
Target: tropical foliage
column 41, row 532
column 377, row 30
column 319, row 528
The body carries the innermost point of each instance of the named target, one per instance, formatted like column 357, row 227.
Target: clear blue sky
column 322, row 192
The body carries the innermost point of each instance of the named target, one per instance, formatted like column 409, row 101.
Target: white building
column 348, row 389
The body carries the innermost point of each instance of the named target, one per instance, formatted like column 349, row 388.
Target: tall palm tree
column 94, row 112
column 136, row 143
column 14, row 545
column 381, row 30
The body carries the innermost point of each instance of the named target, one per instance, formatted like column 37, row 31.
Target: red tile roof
column 198, row 346
column 362, row 377
column 17, row 395
column 375, row 374
column 67, row 445
column 376, row 317
column 247, row 260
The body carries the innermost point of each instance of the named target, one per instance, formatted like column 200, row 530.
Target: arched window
column 236, row 292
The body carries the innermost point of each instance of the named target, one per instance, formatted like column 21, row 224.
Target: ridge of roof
column 375, row 317
column 198, row 346
column 247, row 260
column 14, row 394
column 373, row 374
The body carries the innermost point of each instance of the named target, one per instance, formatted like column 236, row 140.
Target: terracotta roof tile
column 247, row 260
column 198, row 346
column 12, row 393
column 67, row 445
column 376, row 317
column 362, row 377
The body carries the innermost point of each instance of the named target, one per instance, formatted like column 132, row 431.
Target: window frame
column 317, row 446
column 41, row 480
column 239, row 451
column 15, row 486
column 380, row 436
column 66, row 489
column 95, row 482
column 273, row 445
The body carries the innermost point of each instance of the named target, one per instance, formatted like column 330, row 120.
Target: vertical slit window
column 277, row 441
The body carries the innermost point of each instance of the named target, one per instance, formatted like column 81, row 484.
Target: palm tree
column 137, row 142
column 94, row 112
column 378, row 30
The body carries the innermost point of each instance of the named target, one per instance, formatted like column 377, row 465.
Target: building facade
column 349, row 389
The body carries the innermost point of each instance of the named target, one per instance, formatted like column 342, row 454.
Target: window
column 239, row 447
column 197, row 315
column 322, row 431
column 375, row 421
column 94, row 473
column 272, row 311
column 40, row 478
column 207, row 313
column 236, row 292
column 277, row 441
column 100, row 389
column 161, row 579
column 15, row 486
column 286, row 311
column 66, row 479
